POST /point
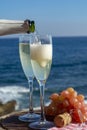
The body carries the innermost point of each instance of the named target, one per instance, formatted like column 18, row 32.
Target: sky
column 55, row 17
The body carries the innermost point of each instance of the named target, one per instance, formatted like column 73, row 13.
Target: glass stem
column 42, row 86
column 30, row 82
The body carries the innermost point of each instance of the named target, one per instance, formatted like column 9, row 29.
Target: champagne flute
column 41, row 59
column 24, row 52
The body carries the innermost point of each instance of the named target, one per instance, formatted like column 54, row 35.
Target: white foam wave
column 13, row 89
column 8, row 93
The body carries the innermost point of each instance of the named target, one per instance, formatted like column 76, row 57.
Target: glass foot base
column 41, row 125
column 29, row 117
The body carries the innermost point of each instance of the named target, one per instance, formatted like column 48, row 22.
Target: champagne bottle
column 8, row 27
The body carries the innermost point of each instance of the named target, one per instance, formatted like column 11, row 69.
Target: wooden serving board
column 11, row 122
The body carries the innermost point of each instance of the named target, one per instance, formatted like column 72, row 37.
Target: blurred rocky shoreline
column 7, row 108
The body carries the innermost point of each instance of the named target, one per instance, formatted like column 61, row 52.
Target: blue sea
column 69, row 69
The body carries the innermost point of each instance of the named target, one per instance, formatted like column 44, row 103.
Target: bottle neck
column 31, row 26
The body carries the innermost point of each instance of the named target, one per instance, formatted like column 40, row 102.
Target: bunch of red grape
column 68, row 101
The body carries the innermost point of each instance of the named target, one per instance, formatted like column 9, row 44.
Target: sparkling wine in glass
column 41, row 59
column 24, row 52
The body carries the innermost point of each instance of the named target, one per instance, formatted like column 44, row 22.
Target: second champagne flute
column 41, row 59
column 24, row 52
